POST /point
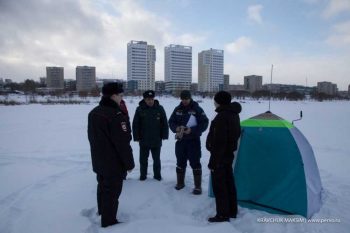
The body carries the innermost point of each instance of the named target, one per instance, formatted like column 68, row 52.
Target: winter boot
column 218, row 218
column 197, row 175
column 180, row 173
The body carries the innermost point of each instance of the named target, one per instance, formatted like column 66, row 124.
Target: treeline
column 28, row 86
column 31, row 89
column 292, row 96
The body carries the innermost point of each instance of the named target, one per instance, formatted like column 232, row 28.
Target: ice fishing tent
column 275, row 168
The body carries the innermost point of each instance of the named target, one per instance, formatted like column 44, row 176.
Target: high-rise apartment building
column 327, row 88
column 141, row 64
column 55, row 77
column 253, row 83
column 86, row 78
column 210, row 70
column 177, row 67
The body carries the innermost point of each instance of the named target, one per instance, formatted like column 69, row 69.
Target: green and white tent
column 275, row 169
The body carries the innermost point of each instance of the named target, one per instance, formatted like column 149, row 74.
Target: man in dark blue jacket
column 150, row 127
column 188, row 121
column 109, row 135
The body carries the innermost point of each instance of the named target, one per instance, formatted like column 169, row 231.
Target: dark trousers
column 144, row 154
column 188, row 150
column 108, row 192
column 224, row 189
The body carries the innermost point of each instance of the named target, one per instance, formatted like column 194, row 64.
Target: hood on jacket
column 237, row 107
column 234, row 107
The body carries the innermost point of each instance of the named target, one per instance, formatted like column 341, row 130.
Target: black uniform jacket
column 109, row 135
column 150, row 125
column 223, row 135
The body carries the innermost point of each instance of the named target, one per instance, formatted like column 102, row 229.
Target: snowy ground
column 47, row 184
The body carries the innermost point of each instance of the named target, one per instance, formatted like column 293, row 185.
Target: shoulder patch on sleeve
column 123, row 125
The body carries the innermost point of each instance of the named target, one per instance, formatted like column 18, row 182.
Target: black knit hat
column 185, row 94
column 149, row 94
column 223, row 98
column 112, row 88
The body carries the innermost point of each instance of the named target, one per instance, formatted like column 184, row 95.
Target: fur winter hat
column 185, row 94
column 223, row 98
column 112, row 88
column 149, row 94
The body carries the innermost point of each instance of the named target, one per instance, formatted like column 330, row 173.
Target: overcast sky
column 306, row 40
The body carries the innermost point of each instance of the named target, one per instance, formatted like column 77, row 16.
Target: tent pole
column 270, row 88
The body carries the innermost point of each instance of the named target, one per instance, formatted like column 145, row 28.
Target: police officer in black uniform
column 109, row 135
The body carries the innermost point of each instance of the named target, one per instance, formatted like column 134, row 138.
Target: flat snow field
column 47, row 184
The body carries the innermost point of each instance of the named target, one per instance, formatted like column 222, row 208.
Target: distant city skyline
column 307, row 41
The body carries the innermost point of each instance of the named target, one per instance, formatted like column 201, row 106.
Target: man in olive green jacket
column 150, row 127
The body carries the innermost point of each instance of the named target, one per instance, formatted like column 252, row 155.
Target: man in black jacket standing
column 150, row 127
column 222, row 141
column 109, row 135
column 188, row 121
